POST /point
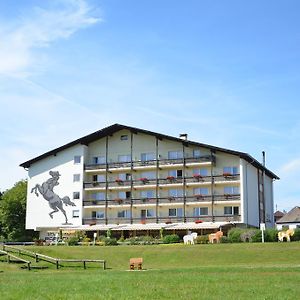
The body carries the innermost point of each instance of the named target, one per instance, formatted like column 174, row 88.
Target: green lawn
column 224, row 271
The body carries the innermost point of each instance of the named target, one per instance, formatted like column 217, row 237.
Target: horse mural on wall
column 55, row 202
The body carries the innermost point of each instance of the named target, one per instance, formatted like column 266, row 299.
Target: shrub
column 110, row 241
column 271, row 235
column 202, row 239
column 224, row 239
column 296, row 236
column 234, row 235
column 250, row 235
column 171, row 238
column 38, row 242
column 73, row 241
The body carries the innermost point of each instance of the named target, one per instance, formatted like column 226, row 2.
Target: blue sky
column 225, row 72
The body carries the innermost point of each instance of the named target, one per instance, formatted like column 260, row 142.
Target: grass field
column 224, row 271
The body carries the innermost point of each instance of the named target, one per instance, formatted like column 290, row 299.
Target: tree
column 13, row 212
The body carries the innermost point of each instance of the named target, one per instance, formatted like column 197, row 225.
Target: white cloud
column 39, row 29
column 291, row 167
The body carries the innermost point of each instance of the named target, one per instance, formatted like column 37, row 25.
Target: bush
column 296, row 236
column 234, row 235
column 73, row 241
column 202, row 239
column 110, row 241
column 224, row 239
column 171, row 238
column 271, row 235
column 142, row 240
column 250, row 235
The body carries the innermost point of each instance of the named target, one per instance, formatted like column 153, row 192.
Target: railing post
column 57, row 265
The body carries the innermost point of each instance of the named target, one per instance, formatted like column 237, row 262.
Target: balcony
column 150, row 164
column 93, row 221
column 87, row 203
column 227, row 178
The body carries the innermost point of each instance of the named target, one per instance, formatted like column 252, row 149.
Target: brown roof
column 293, row 216
column 278, row 214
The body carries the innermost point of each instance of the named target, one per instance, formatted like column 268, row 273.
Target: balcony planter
column 228, row 175
column 198, row 221
column 171, row 178
column 169, row 222
column 171, row 198
column 199, row 197
column 119, row 200
column 119, row 181
column 198, row 177
column 144, row 180
column 228, row 196
column 143, row 222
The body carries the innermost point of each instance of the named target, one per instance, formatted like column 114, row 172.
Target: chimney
column 183, row 136
column 264, row 158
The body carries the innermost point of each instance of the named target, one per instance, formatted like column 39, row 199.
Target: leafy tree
column 12, row 213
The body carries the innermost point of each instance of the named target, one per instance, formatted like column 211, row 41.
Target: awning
column 148, row 226
column 194, row 226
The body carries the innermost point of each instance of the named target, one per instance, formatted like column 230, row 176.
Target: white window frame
column 231, row 190
column 147, row 194
column 233, row 170
column 175, row 192
column 75, row 197
column 147, row 156
column 124, row 158
column 203, row 172
column 76, row 177
column 178, row 212
column 201, row 191
column 178, row 154
column 125, row 212
column 98, row 160
column 198, row 211
column 77, row 159
column 100, row 214
column 75, row 213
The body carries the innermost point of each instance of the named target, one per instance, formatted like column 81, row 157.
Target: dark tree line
column 13, row 212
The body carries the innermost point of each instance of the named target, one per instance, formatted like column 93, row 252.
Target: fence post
column 57, row 266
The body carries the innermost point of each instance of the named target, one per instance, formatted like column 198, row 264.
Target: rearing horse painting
column 55, row 202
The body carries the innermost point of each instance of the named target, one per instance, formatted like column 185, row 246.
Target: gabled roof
column 117, row 127
column 293, row 216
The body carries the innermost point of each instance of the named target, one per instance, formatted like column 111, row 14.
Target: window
column 202, row 172
column 100, row 214
column 147, row 156
column 76, row 195
column 124, row 195
column 149, row 175
column 124, row 137
column 175, row 154
column 98, row 196
column 123, row 214
column 76, row 177
column 75, row 214
column 201, row 191
column 147, row 213
column 124, row 158
column 231, row 190
column 98, row 160
column 196, row 153
column 172, row 212
column 176, row 173
column 77, row 159
column 94, row 213
column 175, row 212
column 147, row 194
column 231, row 210
column 176, row 193
column 231, row 170
column 200, row 211
column 99, row 178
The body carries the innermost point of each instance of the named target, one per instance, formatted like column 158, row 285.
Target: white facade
column 186, row 182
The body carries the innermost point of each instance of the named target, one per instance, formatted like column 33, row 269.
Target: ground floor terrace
column 131, row 230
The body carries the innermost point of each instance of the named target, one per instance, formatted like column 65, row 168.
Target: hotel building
column 130, row 179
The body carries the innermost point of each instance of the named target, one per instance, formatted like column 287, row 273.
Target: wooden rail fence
column 56, row 261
